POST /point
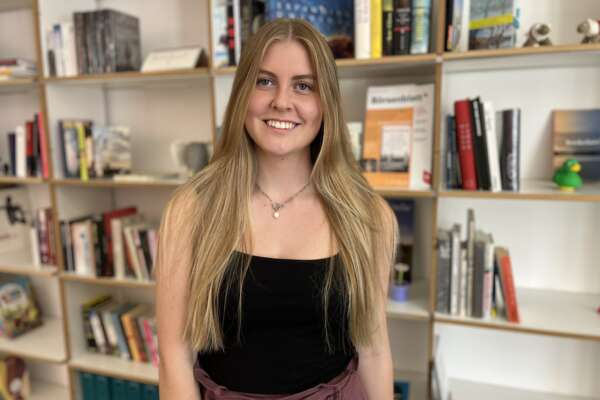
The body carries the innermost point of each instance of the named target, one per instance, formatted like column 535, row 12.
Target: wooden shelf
column 17, row 84
column 130, row 77
column 41, row 390
column 115, row 367
column 21, row 181
column 20, row 264
column 44, row 343
column 419, row 63
column 398, row 192
column 545, row 312
column 416, row 308
column 417, row 383
column 109, row 183
column 520, row 51
column 468, row 390
column 106, row 281
column 532, row 190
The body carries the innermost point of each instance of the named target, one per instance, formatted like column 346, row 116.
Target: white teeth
column 280, row 124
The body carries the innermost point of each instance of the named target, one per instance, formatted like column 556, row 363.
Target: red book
column 464, row 142
column 106, row 218
column 508, row 284
column 43, row 145
column 29, row 145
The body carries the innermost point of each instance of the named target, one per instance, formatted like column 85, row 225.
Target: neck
column 283, row 176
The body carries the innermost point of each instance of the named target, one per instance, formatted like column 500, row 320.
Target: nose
column 281, row 101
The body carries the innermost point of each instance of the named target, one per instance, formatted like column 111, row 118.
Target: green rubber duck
column 567, row 177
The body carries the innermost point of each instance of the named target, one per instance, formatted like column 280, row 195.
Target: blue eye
column 264, row 81
column 304, row 87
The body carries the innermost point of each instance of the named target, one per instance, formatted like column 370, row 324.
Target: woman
column 274, row 260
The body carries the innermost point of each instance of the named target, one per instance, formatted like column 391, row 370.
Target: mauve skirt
column 346, row 386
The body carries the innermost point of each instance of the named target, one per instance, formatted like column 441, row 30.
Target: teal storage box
column 102, row 387
column 150, row 392
column 134, row 390
column 118, row 389
column 87, row 382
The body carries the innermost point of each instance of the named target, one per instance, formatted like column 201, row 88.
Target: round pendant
column 276, row 214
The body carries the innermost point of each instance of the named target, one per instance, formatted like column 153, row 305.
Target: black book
column 402, row 26
column 12, row 152
column 121, row 41
column 388, row 27
column 79, row 20
column 448, row 26
column 453, row 180
column 510, row 150
column 230, row 33
column 481, row 143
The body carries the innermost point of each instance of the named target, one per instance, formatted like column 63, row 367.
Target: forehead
column 287, row 58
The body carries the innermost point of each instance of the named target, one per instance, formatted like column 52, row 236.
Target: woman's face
column 284, row 110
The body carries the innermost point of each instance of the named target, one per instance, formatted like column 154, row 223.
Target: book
column 480, row 145
column 510, row 150
column 19, row 311
column 387, row 27
column 88, row 330
column 402, row 26
column 509, row 292
column 455, row 267
column 376, row 28
column 492, row 24
column 362, row 29
column 493, row 150
column 219, row 34
column 464, row 141
column 444, row 257
column 576, row 131
column 397, row 144
column 421, row 17
column 333, row 18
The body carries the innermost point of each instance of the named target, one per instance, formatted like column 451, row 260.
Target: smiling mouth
column 280, row 125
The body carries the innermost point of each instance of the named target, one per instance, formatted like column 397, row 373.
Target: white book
column 35, row 247
column 59, row 59
column 83, row 248
column 463, row 295
column 118, row 243
column 69, row 52
column 237, row 20
column 97, row 331
column 492, row 146
column 128, row 232
column 362, row 29
column 219, row 34
column 463, row 40
column 455, row 269
column 21, row 151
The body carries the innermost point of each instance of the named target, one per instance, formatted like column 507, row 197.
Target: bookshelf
column 558, row 289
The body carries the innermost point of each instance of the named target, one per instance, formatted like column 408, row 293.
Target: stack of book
column 125, row 330
column 99, row 387
column 119, row 244
column 89, row 150
column 483, row 147
column 481, row 24
column 474, row 277
column 94, row 42
column 27, row 151
column 17, row 68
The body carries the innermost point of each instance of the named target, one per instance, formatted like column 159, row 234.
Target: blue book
column 87, row 383
column 333, row 18
column 102, row 385
column 118, row 389
column 150, row 392
column 121, row 337
column 134, row 390
column 420, row 21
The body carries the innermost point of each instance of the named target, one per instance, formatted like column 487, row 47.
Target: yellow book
column 376, row 28
column 83, row 163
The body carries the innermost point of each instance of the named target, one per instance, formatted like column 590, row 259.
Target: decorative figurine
column 590, row 29
column 567, row 177
column 538, row 35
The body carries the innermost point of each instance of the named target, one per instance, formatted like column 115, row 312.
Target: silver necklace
column 278, row 206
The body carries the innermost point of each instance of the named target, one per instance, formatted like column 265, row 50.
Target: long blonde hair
column 216, row 201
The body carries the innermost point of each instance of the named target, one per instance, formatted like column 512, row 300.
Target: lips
column 280, row 125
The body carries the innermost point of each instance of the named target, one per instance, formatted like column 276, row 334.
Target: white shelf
column 115, row 367
column 20, row 263
column 416, row 308
column 43, row 391
column 417, row 383
column 45, row 343
column 467, row 390
column 548, row 312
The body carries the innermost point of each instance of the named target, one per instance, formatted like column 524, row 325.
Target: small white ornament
column 276, row 214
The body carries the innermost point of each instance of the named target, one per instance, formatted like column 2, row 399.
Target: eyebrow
column 295, row 77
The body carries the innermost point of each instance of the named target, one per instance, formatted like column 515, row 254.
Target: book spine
column 387, row 45
column 81, row 147
column 421, row 15
column 35, row 245
column 510, row 153
column 111, row 334
column 124, row 352
column 479, row 146
column 462, row 297
column 230, row 32
column 362, row 29
column 21, row 151
column 128, row 328
column 220, row 50
column 493, row 152
column 508, row 285
column 30, row 143
column 12, row 152
column 464, row 141
column 376, row 28
column 455, row 279
column 80, row 43
column 443, row 273
column 43, row 235
column 147, row 325
column 488, row 278
column 478, row 278
column 237, row 30
column 98, row 331
column 402, row 26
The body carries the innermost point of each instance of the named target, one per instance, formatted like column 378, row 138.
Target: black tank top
column 282, row 347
